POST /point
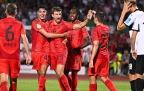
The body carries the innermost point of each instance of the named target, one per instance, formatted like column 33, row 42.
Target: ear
column 52, row 15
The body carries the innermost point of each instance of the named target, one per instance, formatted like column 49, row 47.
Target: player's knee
column 3, row 77
column 13, row 80
column 59, row 73
column 139, row 76
column 103, row 79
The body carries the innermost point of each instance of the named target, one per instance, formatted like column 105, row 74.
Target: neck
column 74, row 21
column 99, row 23
column 10, row 16
column 43, row 20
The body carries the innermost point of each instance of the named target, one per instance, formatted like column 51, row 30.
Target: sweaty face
column 57, row 16
column 42, row 13
column 73, row 15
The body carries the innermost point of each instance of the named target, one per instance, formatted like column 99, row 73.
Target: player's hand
column 89, row 15
column 64, row 41
column 65, row 34
column 28, row 59
column 91, row 63
column 134, row 54
column 126, row 7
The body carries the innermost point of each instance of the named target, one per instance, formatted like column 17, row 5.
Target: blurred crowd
column 119, row 45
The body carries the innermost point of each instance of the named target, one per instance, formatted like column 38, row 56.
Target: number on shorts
column 46, row 57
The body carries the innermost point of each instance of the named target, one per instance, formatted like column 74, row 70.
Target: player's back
column 10, row 31
column 101, row 33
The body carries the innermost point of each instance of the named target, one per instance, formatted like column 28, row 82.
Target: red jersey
column 101, row 34
column 56, row 44
column 39, row 42
column 76, row 37
column 10, row 32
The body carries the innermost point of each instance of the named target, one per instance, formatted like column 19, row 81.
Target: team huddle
column 58, row 44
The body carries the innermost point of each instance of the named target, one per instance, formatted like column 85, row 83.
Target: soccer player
column 99, row 60
column 58, row 48
column 129, row 6
column 40, row 45
column 77, row 40
column 137, row 51
column 10, row 32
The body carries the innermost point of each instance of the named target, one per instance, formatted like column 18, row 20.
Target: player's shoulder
column 135, row 13
column 35, row 20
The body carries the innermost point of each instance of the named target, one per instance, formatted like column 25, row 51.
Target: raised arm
column 121, row 25
column 82, row 24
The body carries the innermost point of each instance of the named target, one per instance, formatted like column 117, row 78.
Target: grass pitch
column 52, row 85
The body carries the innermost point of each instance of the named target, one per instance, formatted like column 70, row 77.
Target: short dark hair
column 11, row 8
column 56, row 9
column 41, row 6
column 100, row 16
column 77, row 10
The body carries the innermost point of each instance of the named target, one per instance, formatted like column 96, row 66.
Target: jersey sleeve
column 130, row 20
column 135, row 26
column 85, row 32
column 22, row 29
column 94, row 34
column 69, row 26
column 36, row 26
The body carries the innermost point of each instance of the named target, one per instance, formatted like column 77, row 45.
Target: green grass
column 52, row 85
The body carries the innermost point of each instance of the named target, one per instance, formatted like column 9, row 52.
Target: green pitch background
column 52, row 85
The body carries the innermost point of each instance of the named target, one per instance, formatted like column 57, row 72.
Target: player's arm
column 133, row 40
column 94, row 52
column 86, row 42
column 82, row 24
column 26, row 46
column 51, row 35
column 121, row 25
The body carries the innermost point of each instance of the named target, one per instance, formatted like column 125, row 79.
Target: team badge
column 38, row 26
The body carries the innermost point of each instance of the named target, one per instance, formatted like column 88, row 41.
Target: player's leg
column 132, row 67
column 53, row 66
column 74, row 80
column 61, row 61
column 44, row 63
column 69, row 77
column 61, row 76
column 92, row 79
column 14, row 73
column 139, row 72
column 104, row 71
column 4, row 71
column 3, row 82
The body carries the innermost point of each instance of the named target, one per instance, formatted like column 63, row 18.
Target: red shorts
column 58, row 58
column 101, row 67
column 10, row 66
column 74, row 62
column 40, row 58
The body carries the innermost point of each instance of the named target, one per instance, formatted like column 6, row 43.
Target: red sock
column 4, row 86
column 110, row 85
column 42, row 81
column 65, row 83
column 69, row 79
column 93, row 87
column 74, row 81
column 61, row 85
column 13, row 87
column 44, row 86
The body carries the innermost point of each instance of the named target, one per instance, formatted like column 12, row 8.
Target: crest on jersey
column 38, row 26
